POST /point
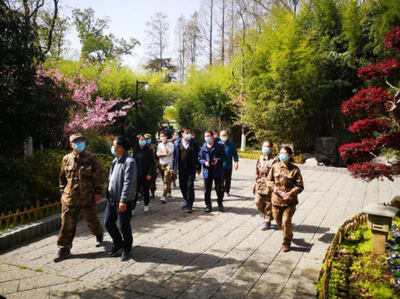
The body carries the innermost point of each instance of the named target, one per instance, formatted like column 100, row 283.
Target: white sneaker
column 163, row 199
column 146, row 209
column 169, row 195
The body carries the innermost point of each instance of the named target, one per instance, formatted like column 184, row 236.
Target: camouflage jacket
column 263, row 166
column 80, row 179
column 288, row 179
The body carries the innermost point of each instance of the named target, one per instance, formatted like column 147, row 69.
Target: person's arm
column 298, row 184
column 235, row 153
column 174, row 156
column 271, row 180
column 62, row 178
column 129, row 186
column 160, row 153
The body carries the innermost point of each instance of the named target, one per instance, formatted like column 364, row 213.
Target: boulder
column 326, row 149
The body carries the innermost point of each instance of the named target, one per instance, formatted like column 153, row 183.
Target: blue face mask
column 224, row 138
column 113, row 151
column 176, row 137
column 143, row 143
column 215, row 136
column 79, row 146
column 208, row 139
column 266, row 150
column 283, row 157
column 188, row 137
column 148, row 141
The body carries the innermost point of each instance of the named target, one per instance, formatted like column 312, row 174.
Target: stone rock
column 311, row 161
column 326, row 149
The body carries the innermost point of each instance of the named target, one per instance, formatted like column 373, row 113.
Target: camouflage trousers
column 152, row 182
column 283, row 217
column 264, row 205
column 69, row 219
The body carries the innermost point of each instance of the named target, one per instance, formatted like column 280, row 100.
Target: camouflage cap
column 147, row 136
column 73, row 137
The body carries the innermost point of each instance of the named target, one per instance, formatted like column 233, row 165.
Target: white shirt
column 161, row 149
column 185, row 143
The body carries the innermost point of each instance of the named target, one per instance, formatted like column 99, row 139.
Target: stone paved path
column 217, row 255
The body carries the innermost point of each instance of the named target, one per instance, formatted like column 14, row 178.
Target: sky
column 128, row 19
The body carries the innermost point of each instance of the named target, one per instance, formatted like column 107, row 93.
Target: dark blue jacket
column 177, row 151
column 206, row 154
column 231, row 152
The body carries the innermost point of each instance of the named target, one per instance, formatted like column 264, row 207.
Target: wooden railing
column 11, row 219
column 351, row 224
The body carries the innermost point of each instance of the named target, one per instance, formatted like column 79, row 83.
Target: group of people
column 178, row 156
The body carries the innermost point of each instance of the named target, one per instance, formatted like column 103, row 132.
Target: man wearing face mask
column 261, row 189
column 81, row 185
column 211, row 157
column 186, row 164
column 216, row 136
column 153, row 147
column 121, row 193
column 231, row 154
column 164, row 152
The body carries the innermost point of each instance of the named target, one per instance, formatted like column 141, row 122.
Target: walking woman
column 285, row 182
column 145, row 169
column 261, row 190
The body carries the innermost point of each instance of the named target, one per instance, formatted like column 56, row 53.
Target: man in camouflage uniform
column 81, row 184
column 261, row 190
column 153, row 147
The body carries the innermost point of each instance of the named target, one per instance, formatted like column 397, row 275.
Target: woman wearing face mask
column 286, row 182
column 145, row 168
column 261, row 190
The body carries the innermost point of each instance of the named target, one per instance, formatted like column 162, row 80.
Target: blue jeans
column 124, row 219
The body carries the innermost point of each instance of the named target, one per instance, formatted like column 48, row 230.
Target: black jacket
column 145, row 161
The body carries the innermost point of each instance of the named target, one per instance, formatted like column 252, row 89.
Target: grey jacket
column 123, row 187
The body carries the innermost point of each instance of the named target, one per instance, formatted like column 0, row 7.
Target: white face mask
column 188, row 136
column 163, row 138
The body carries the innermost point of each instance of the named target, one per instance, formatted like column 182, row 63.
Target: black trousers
column 186, row 184
column 218, row 181
column 113, row 215
column 227, row 180
column 145, row 184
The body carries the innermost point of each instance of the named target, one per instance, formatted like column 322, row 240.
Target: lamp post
column 146, row 87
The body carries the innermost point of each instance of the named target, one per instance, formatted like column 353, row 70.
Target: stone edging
column 36, row 229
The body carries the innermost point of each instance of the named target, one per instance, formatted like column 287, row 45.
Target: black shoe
column 99, row 240
column 184, row 207
column 188, row 209
column 208, row 209
column 115, row 251
column 126, row 256
column 221, row 207
column 152, row 195
column 62, row 255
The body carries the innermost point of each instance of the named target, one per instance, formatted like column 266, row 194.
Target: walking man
column 164, row 152
column 231, row 153
column 121, row 191
column 81, row 184
column 211, row 157
column 185, row 163
column 153, row 147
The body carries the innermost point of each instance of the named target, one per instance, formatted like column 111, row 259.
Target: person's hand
column 254, row 189
column 276, row 190
column 171, row 171
column 97, row 197
column 236, row 166
column 122, row 207
column 286, row 196
column 215, row 162
column 206, row 164
column 148, row 177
